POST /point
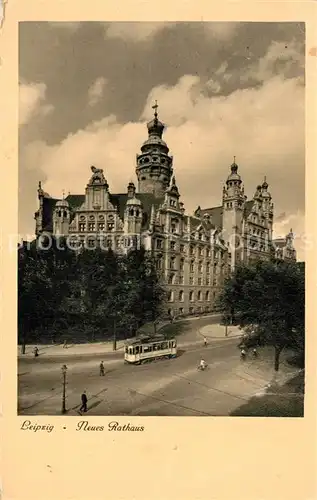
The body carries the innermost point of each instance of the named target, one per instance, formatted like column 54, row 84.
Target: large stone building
column 195, row 252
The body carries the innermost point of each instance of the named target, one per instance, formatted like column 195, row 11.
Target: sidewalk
column 192, row 338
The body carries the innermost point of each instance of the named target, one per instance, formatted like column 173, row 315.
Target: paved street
column 169, row 387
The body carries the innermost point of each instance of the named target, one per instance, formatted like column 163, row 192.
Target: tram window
column 164, row 345
column 126, row 350
column 173, row 343
column 147, row 348
column 137, row 349
column 130, row 350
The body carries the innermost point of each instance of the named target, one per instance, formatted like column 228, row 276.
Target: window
column 171, row 296
column 159, row 263
column 181, row 310
column 159, row 244
column 199, row 295
column 191, row 280
column 192, row 266
column 171, row 279
column 208, row 267
column 199, row 281
column 207, row 295
column 172, row 245
column 173, row 227
column 82, row 227
column 191, row 296
column 172, row 203
column 109, row 243
column 101, row 226
column 200, row 267
column 91, row 226
column 191, row 250
column 181, row 296
column 91, row 243
column 172, row 263
column 181, row 279
column 181, row 265
column 110, row 226
column 191, row 310
column 181, row 248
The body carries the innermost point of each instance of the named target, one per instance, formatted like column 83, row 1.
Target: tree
column 268, row 299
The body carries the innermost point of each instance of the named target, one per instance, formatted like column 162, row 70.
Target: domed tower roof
column 134, row 201
column 62, row 203
column 155, row 127
column 234, row 176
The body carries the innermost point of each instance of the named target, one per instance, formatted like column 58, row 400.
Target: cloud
column 144, row 31
column 32, row 102
column 262, row 126
column 223, row 31
column 287, row 59
column 71, row 26
column 96, row 90
column 138, row 31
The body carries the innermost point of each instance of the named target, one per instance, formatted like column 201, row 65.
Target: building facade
column 194, row 253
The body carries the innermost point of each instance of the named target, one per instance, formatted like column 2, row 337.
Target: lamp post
column 64, row 370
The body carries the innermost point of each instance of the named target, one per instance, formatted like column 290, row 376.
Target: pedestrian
column 36, row 352
column 83, row 402
column 65, row 344
column 205, row 341
column 102, row 369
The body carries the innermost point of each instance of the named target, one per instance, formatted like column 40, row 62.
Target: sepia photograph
column 161, row 213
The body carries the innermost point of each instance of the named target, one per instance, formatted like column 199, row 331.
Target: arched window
column 191, row 295
column 199, row 295
column 181, row 296
column 207, row 295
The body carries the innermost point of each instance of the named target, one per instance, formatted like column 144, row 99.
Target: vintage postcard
column 157, row 246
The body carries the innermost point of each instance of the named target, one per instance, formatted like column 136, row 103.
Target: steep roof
column 117, row 200
column 216, row 215
column 48, row 207
column 248, row 207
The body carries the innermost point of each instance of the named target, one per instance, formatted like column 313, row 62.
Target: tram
column 145, row 349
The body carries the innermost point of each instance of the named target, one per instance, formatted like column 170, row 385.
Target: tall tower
column 233, row 200
column 154, row 165
column 267, row 208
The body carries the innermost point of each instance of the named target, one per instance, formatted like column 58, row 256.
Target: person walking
column 101, row 369
column 205, row 342
column 36, row 352
column 84, row 400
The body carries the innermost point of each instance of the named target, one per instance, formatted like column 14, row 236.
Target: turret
column 133, row 216
column 61, row 218
column 233, row 200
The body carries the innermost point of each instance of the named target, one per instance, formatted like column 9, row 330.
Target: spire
column 155, row 127
column 155, row 112
column 63, row 194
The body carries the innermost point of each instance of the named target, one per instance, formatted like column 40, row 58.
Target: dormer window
column 172, row 203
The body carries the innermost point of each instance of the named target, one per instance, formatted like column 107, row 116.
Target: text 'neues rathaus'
column 195, row 252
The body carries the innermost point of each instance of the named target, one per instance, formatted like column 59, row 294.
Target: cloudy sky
column 223, row 89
